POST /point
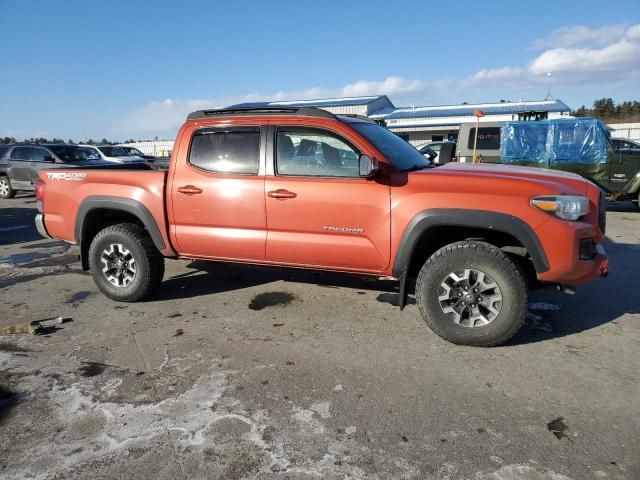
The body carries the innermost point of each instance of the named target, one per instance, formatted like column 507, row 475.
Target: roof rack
column 359, row 117
column 305, row 112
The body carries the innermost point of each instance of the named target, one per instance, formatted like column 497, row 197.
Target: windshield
column 69, row 153
column 401, row 154
column 134, row 151
column 114, row 151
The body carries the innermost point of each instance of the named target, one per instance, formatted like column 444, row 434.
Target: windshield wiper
column 414, row 168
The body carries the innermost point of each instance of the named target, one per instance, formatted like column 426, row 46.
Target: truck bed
column 67, row 190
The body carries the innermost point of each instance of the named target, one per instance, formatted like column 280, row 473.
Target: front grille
column 602, row 212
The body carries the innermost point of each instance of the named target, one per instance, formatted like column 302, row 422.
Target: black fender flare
column 495, row 221
column 127, row 205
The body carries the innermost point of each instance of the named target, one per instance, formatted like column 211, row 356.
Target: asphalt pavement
column 237, row 372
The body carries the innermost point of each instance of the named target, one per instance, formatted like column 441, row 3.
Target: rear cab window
column 226, row 150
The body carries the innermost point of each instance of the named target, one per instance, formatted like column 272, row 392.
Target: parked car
column 111, row 153
column 21, row 163
column 134, row 152
column 432, row 148
column 304, row 188
column 577, row 145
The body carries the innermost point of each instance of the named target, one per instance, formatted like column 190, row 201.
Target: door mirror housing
column 368, row 166
column 48, row 158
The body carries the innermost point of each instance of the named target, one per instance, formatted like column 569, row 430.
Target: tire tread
column 152, row 275
column 455, row 249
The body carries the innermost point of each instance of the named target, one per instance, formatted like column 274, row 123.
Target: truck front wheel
column 124, row 262
column 471, row 293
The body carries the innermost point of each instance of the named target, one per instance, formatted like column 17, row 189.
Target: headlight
column 566, row 207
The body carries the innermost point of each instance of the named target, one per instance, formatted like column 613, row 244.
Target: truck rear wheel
column 6, row 191
column 125, row 264
column 471, row 293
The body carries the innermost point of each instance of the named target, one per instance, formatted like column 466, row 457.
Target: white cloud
column 579, row 55
column 163, row 117
column 505, row 76
column 581, row 36
column 390, row 86
column 574, row 55
column 609, row 62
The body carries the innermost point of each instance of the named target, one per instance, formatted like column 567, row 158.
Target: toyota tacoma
column 304, row 188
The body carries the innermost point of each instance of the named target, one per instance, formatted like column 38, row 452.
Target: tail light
column 40, row 190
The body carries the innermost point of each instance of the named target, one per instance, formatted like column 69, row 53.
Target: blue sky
column 121, row 69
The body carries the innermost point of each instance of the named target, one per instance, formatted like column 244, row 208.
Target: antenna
column 549, row 95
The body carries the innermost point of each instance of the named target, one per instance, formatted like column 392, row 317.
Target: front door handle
column 282, row 193
column 190, row 190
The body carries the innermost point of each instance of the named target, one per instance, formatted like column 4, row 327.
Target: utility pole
column 477, row 114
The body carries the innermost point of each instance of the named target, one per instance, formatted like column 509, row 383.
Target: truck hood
column 561, row 182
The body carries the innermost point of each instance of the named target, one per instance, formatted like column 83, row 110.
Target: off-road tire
column 6, row 191
column 493, row 262
column 149, row 262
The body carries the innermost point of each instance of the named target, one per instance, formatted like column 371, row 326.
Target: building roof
column 500, row 108
column 325, row 102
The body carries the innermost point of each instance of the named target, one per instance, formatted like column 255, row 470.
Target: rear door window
column 21, row 153
column 229, row 150
column 38, row 154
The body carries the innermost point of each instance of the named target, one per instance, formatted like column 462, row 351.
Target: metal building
column 365, row 106
column 428, row 123
column 419, row 125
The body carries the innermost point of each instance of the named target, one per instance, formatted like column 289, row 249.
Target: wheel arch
column 426, row 224
column 98, row 212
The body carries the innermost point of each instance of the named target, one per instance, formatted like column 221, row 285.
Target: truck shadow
column 595, row 304
column 9, row 398
column 207, row 278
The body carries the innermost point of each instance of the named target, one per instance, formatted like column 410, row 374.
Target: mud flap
column 402, row 300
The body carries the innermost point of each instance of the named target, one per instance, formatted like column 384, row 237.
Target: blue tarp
column 570, row 140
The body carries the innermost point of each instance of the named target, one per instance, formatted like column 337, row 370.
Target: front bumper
column 561, row 241
column 39, row 221
column 586, row 270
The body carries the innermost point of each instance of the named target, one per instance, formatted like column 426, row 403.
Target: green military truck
column 578, row 145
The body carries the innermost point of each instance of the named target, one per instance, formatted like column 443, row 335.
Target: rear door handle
column 282, row 193
column 190, row 190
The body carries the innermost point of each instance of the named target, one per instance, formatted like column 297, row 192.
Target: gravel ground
column 242, row 372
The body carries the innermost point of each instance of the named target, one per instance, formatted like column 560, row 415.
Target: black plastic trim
column 439, row 217
column 235, row 112
column 121, row 204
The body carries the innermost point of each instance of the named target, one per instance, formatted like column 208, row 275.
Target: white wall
column 628, row 131
column 157, row 148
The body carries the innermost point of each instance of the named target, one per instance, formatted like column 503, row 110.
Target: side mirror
column 368, row 166
column 48, row 158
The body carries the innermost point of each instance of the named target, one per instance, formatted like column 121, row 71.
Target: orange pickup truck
column 301, row 187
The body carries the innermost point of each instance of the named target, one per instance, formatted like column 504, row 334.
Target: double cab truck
column 304, row 188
